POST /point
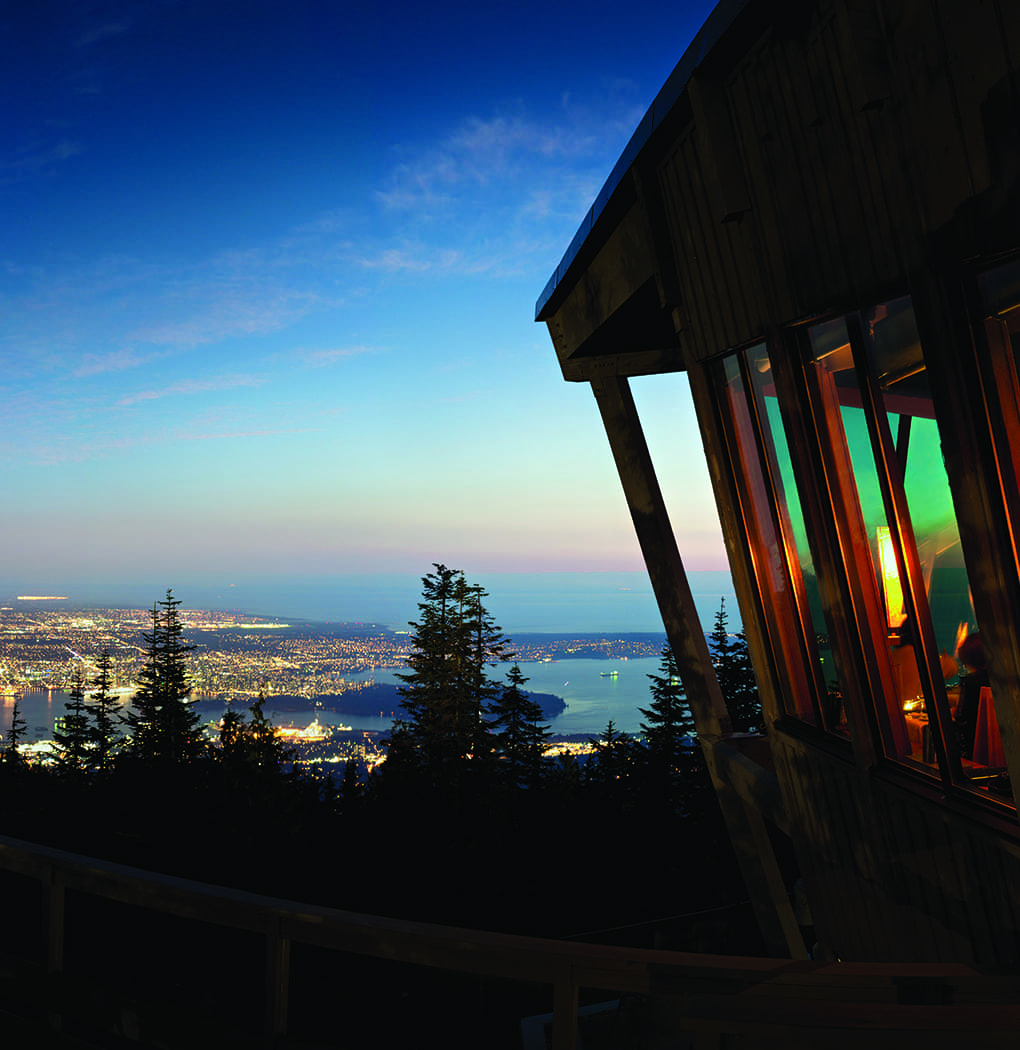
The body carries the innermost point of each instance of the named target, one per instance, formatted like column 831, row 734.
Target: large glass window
column 1000, row 292
column 774, row 520
column 903, row 546
column 891, row 544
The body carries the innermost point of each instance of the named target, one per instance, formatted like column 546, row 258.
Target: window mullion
column 890, row 478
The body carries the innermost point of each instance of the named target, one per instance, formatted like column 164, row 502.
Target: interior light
column 892, row 588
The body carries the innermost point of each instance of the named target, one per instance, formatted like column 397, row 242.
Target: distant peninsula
column 380, row 698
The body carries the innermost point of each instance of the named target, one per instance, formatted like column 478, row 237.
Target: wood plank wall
column 893, row 877
column 869, row 140
column 851, row 150
column 875, row 141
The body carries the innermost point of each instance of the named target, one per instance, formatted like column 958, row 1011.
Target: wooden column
column 564, row 1033
column 54, row 948
column 690, row 647
column 277, row 978
column 662, row 558
column 55, row 923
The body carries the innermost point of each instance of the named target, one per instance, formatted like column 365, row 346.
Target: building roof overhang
column 617, row 193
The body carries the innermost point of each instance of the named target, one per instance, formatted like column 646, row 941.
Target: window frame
column 849, row 590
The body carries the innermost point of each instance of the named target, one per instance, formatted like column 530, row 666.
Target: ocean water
column 578, row 602
column 557, row 603
column 591, row 699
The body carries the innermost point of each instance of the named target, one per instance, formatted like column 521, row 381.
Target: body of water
column 591, row 695
column 546, row 603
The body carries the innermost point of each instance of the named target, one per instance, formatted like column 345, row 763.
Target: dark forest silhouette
column 629, row 835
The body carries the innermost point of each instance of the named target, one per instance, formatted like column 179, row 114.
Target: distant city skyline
column 268, row 279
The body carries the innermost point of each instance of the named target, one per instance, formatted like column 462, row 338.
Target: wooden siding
column 849, row 152
column 845, row 202
column 892, row 876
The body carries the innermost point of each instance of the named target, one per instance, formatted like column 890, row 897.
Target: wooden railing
column 799, row 1003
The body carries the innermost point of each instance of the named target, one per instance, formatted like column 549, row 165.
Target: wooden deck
column 722, row 1000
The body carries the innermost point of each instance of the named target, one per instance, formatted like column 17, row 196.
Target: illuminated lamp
column 892, row 589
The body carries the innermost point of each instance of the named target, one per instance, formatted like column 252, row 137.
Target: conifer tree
column 15, row 734
column 669, row 717
column 613, row 760
column 351, row 788
column 518, row 733
column 732, row 662
column 163, row 726
column 677, row 772
column 102, row 707
column 446, row 690
column 253, row 746
column 72, row 734
column 486, row 646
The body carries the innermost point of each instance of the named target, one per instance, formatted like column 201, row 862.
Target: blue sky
column 268, row 277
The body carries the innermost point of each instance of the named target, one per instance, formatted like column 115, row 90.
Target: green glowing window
column 853, row 540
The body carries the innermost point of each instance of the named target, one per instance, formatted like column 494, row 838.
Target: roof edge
column 723, row 15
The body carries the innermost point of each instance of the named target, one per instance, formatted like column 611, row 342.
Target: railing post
column 54, row 944
column 564, row 1033
column 277, row 978
column 54, row 922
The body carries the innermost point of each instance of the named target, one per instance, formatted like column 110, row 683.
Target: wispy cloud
column 321, row 358
column 36, row 159
column 101, row 32
column 497, row 193
column 113, row 361
column 420, row 258
column 234, row 294
column 504, row 148
column 245, row 434
column 191, row 387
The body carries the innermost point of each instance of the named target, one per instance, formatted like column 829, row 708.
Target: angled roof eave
column 718, row 22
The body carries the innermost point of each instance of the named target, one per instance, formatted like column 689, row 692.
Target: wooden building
column 818, row 220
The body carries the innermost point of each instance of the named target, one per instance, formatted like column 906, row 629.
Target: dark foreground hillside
column 553, row 863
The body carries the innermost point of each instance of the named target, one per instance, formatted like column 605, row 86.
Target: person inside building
column 972, row 656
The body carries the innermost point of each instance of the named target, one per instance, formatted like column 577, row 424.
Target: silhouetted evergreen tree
column 447, row 690
column 675, row 769
column 732, row 662
column 677, row 775
column 669, row 717
column 73, row 736
column 486, row 646
column 518, row 734
column 102, row 707
column 252, row 746
column 351, row 787
column 615, row 763
column 12, row 738
column 163, row 726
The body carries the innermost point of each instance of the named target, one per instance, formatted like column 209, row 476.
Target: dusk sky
column 268, row 276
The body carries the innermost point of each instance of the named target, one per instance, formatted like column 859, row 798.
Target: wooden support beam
column 564, row 1033
column 687, row 638
column 662, row 558
column 55, row 923
column 54, row 945
column 277, row 978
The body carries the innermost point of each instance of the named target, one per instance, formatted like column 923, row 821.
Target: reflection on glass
column 910, row 570
column 892, row 586
column 829, row 684
column 896, row 354
column 1000, row 288
column 866, row 524
column 765, row 511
